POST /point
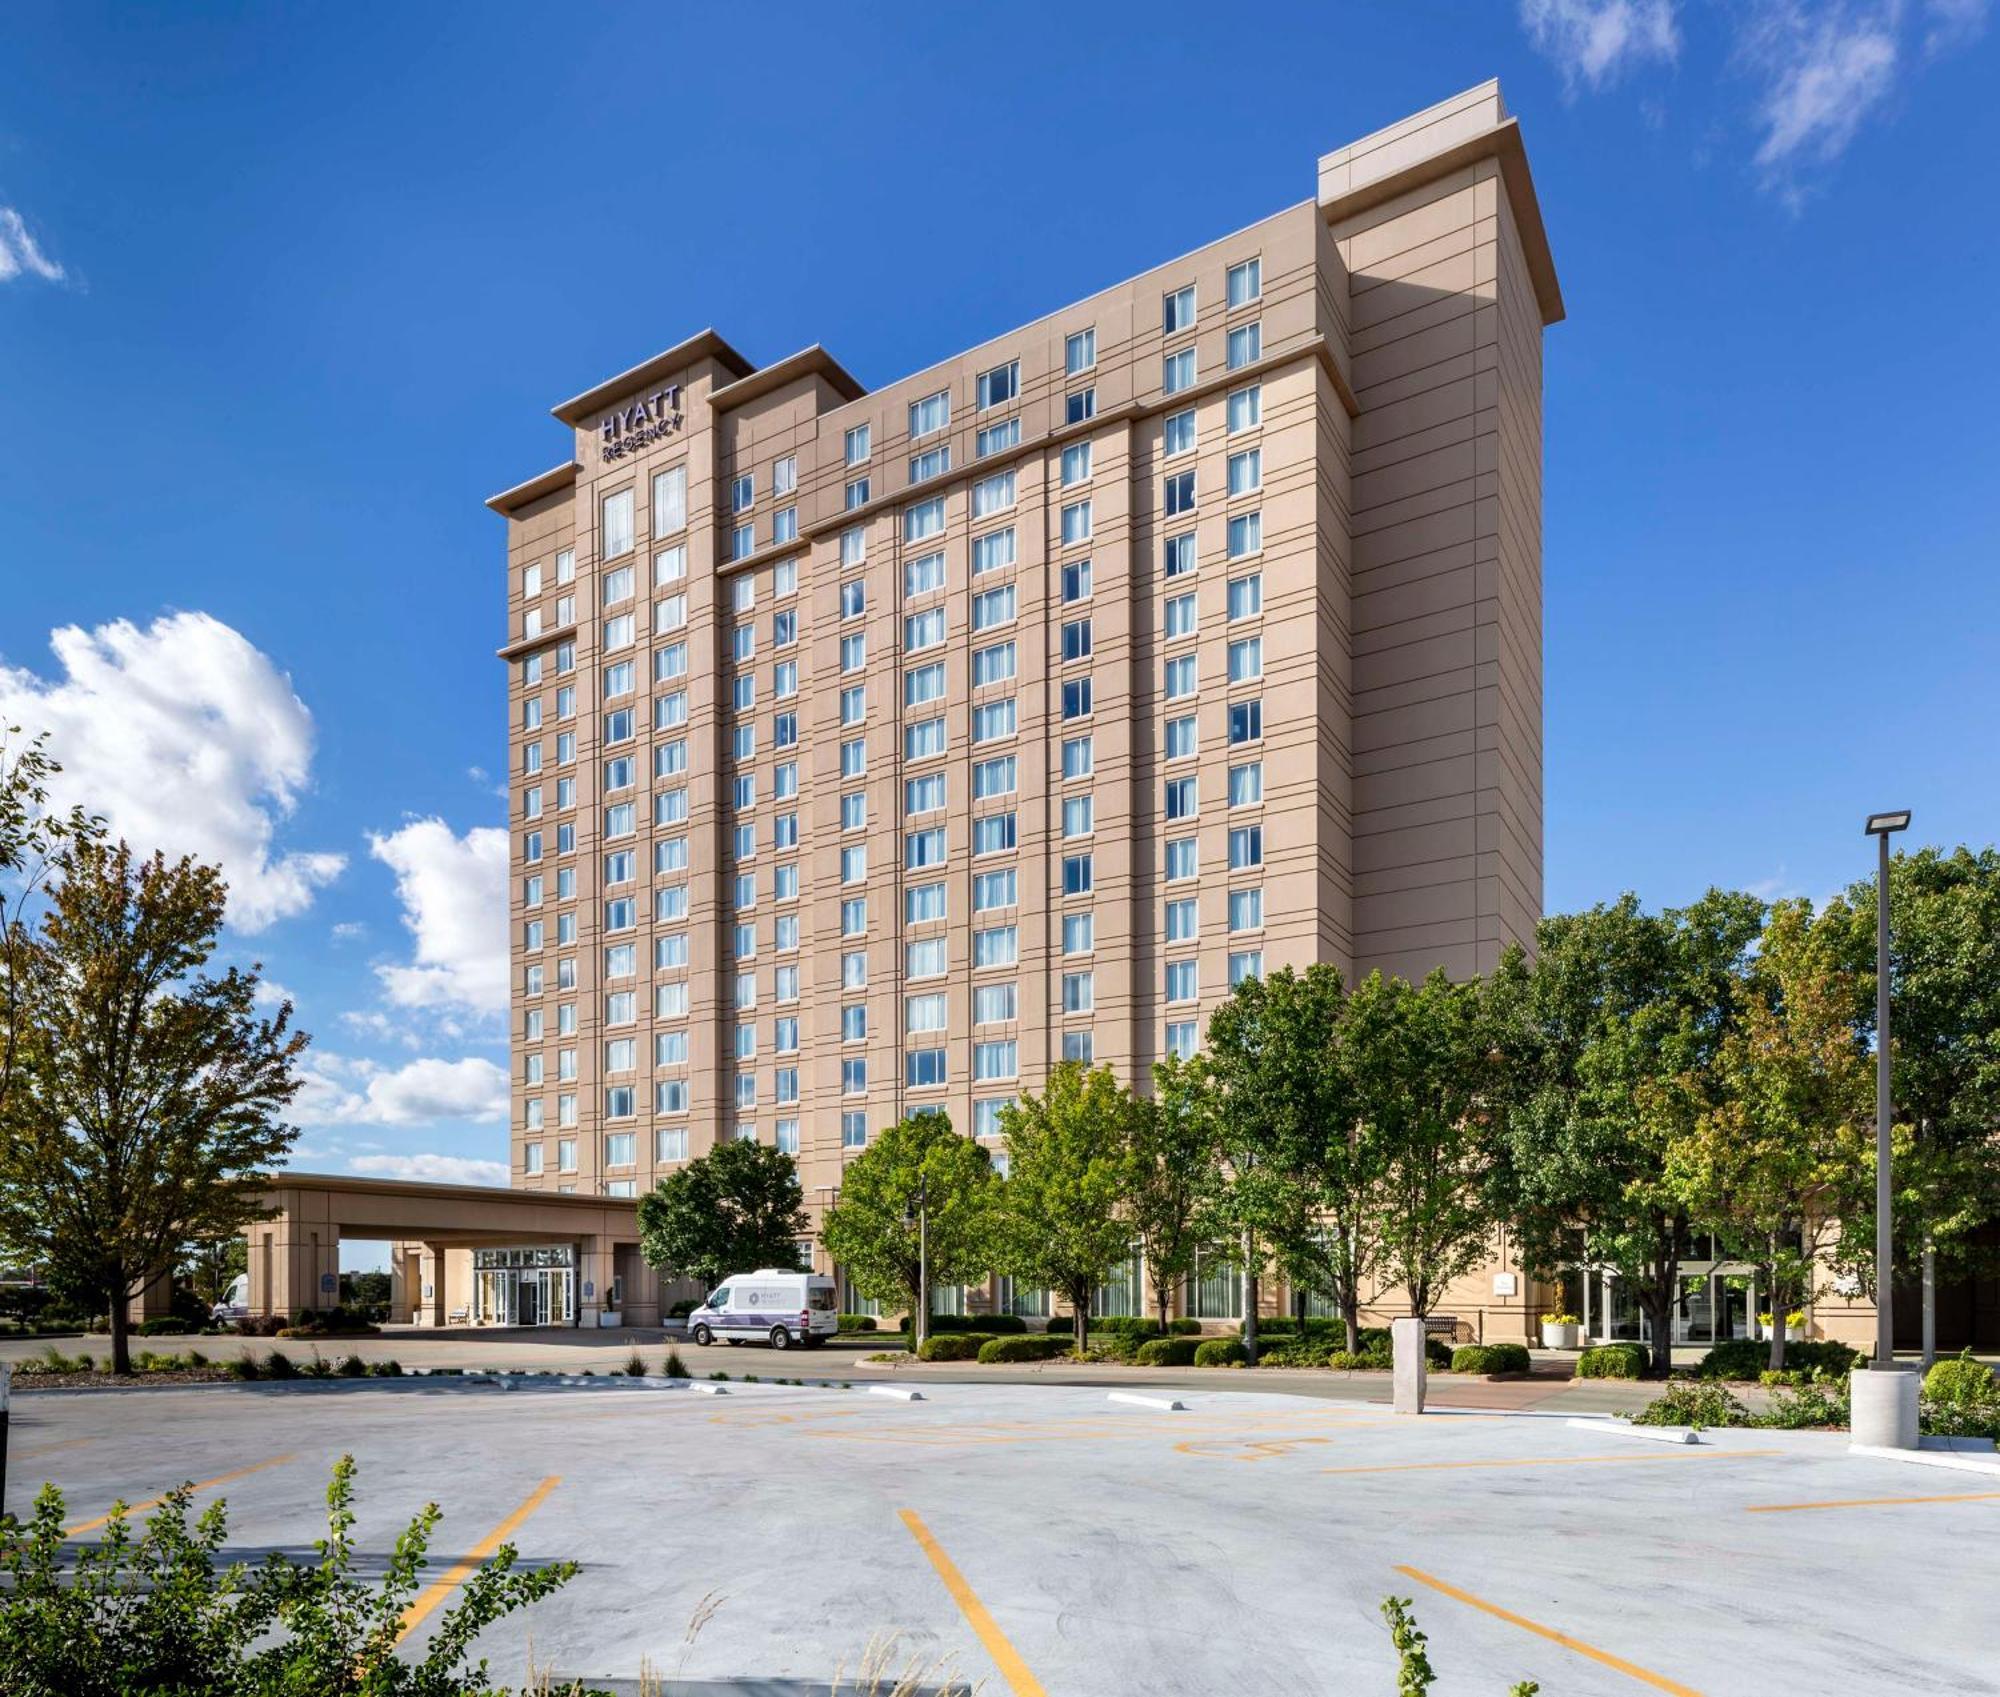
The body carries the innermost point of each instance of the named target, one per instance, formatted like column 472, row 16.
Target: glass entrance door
column 530, row 1300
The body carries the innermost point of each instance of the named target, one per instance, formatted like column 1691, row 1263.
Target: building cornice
column 706, row 345
column 510, row 501
column 528, row 644
column 807, row 362
column 1502, row 143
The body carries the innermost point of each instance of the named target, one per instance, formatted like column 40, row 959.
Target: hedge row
column 1490, row 1358
column 1746, row 1359
column 1614, row 1361
column 1168, row 1352
column 1032, row 1347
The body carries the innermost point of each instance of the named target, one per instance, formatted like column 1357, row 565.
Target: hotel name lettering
column 650, row 419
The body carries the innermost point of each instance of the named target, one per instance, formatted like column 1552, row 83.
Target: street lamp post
column 920, row 1323
column 1881, row 826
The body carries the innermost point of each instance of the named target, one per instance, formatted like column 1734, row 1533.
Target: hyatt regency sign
column 646, row 421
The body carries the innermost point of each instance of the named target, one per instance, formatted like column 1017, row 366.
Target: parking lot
column 1044, row 1539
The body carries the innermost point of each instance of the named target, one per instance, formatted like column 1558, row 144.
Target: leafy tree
column 872, row 1231
column 1421, row 1060
column 736, row 1208
column 1176, row 1176
column 1602, row 1036
column 30, row 839
column 1944, row 965
column 1779, row 1158
column 1071, row 1173
column 1305, row 1169
column 142, row 1115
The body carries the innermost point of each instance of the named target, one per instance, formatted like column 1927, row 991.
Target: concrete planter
column 1559, row 1337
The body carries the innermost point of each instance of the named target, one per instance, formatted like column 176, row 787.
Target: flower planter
column 1559, row 1337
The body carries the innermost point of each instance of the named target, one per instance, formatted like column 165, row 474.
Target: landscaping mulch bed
column 113, row 1382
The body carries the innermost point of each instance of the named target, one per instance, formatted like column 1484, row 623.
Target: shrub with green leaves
column 1807, row 1407
column 1184, row 1328
column 675, row 1367
column 1361, row 1360
column 1168, row 1352
column 1960, row 1379
column 1293, row 1352
column 1746, row 1360
column 1614, row 1361
column 857, row 1322
column 953, row 1346
column 1414, row 1673
column 1491, row 1358
column 1221, row 1352
column 158, row 1614
column 1690, row 1403
column 1034, row 1346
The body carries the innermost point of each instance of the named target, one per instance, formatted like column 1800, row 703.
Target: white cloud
column 1953, row 23
column 454, row 895
column 1824, row 69
column 447, row 1169
column 270, row 994
column 1595, row 42
column 340, row 1091
column 20, row 252
column 186, row 738
column 347, row 930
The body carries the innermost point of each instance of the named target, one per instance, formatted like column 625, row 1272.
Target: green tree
column 30, row 839
column 737, row 1208
column 1778, row 1155
column 1603, row 1035
column 142, row 1115
column 872, row 1230
column 1944, row 966
column 1072, row 1167
column 1177, row 1175
column 1305, row 1168
column 1421, row 1057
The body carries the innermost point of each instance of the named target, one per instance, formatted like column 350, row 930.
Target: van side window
column 719, row 1298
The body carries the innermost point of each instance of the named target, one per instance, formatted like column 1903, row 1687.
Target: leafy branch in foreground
column 1414, row 1673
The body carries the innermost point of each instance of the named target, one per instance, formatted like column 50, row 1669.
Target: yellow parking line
column 1604, row 1658
column 413, row 1616
column 1005, row 1657
column 1872, row 1502
column 83, row 1526
column 1550, row 1461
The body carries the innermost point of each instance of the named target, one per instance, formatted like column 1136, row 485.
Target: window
column 1080, row 407
column 853, row 598
column 785, row 679
column 1076, row 757
column 992, row 607
column 1079, row 992
column 925, row 519
column 1076, row 463
column 854, row 1077
column 1000, row 385
column 992, row 890
column 1179, row 557
column 854, row 1022
column 1178, row 436
column 565, row 1154
column 1078, row 815
column 1246, row 535
column 1177, row 372
column 933, row 412
column 992, row 495
column 670, row 565
column 743, row 493
column 617, row 534
column 1180, row 676
column 672, row 1145
column 1183, row 1037
column 922, row 740
column 998, row 438
column 1077, row 875
column 1182, row 981
column 995, row 1060
column 1075, row 698
column 854, row 864
column 924, row 848
column 784, row 475
column 1183, row 799
column 1080, row 351
column 993, row 719
column 1246, row 282
column 1246, row 784
column 1183, row 924
column 923, row 795
column 855, row 495
column 1076, row 581
column 1246, row 909
column 993, row 777
column 1246, row 344
column 617, row 585
column 1179, row 311
column 923, row 630
column 742, row 541
column 923, row 1013
column 1079, row 933
column 992, row 551
column 924, row 683
column 921, row 575
column 1179, row 493
column 854, row 811
column 856, row 449
column 621, row 1102
column 932, row 462
column 1249, row 964
column 1075, row 523
column 993, row 835
column 619, row 1150
column 1246, row 721
column 670, row 614
column 854, row 757
column 1180, row 859
column 1246, row 596
column 1246, row 472
column 992, row 665
column 1076, row 639
column 993, row 1003
column 1182, row 739
column 925, row 958
column 922, row 1067
column 785, row 525
column 1180, row 619
column 1246, row 659
column 1246, row 847
column 1246, row 408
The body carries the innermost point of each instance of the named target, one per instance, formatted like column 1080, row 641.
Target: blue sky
column 285, row 292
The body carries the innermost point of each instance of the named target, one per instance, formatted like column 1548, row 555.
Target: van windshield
column 719, row 1298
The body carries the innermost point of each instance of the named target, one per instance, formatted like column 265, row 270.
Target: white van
column 775, row 1305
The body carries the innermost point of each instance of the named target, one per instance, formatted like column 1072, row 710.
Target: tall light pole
column 920, row 1322
column 1881, row 826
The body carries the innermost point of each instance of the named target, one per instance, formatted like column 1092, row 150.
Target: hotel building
column 873, row 750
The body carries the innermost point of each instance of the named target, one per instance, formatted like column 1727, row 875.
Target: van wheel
column 780, row 1338
column 703, row 1336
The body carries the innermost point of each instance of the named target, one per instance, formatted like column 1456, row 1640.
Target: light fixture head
column 1880, row 824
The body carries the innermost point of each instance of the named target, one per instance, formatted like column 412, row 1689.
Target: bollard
column 1407, row 1339
column 6, row 1389
column 1883, row 1401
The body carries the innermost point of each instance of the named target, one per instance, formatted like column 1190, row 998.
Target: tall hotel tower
column 875, row 750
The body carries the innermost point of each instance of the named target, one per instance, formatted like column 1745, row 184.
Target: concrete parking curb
column 1955, row 1461
column 1625, row 1429
column 1171, row 1405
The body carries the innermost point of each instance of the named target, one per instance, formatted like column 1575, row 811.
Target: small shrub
column 1807, row 1407
column 1746, row 1360
column 246, row 1367
column 682, row 1309
column 952, row 1346
column 635, row 1365
column 1293, row 1352
column 1184, row 1328
column 1129, row 1325
column 1221, row 1352
column 353, row 1367
column 675, row 1367
column 1168, row 1352
column 279, row 1365
column 1614, row 1361
column 1437, row 1355
column 390, row 1369
column 167, row 1326
column 857, row 1322
column 1372, row 1337
column 1490, row 1358
column 1361, row 1360
column 1693, row 1403
column 1960, row 1379
column 1030, row 1347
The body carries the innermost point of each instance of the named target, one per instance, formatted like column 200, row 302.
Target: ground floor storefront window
column 524, row 1287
